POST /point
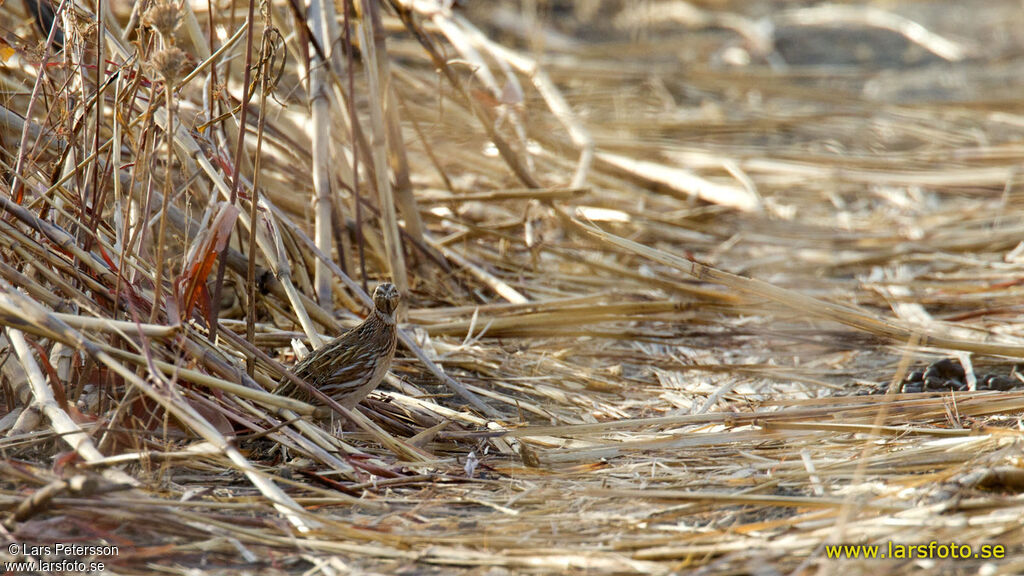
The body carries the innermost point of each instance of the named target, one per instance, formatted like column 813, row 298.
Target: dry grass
column 649, row 252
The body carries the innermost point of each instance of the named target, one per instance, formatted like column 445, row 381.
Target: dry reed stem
column 320, row 13
column 378, row 82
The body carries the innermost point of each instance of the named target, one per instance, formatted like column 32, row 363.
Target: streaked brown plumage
column 352, row 365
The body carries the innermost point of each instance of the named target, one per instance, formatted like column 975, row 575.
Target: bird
column 352, row 365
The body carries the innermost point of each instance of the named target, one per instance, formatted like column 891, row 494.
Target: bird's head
column 385, row 298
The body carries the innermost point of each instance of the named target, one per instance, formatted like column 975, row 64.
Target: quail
column 352, row 365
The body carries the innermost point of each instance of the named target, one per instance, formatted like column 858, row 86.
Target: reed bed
column 653, row 255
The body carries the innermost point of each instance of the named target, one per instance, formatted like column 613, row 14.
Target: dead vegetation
column 650, row 253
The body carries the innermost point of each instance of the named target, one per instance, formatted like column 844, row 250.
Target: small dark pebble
column 912, row 387
column 996, row 382
column 945, row 369
column 947, row 375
